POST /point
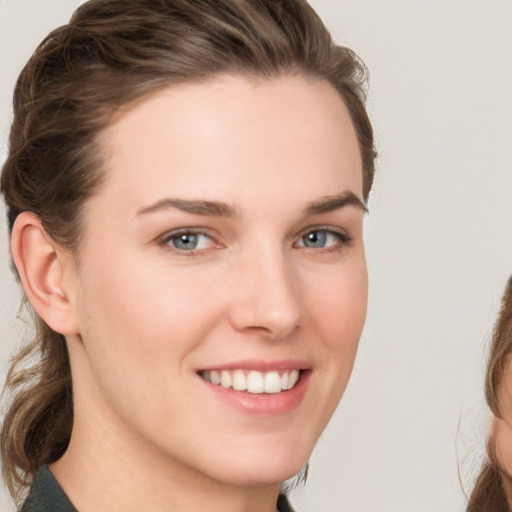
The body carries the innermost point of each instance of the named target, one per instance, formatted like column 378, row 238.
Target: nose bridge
column 267, row 297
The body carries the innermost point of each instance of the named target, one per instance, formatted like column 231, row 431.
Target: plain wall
column 439, row 245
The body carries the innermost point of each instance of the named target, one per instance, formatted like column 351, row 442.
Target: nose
column 266, row 296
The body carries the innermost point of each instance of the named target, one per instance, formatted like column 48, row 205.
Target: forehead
column 205, row 139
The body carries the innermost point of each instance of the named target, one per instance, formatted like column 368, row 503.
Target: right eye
column 188, row 241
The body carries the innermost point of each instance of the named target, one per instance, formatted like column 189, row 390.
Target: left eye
column 321, row 238
column 189, row 241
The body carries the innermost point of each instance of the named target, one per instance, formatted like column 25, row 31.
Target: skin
column 501, row 430
column 141, row 317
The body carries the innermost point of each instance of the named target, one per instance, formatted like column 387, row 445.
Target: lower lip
column 263, row 404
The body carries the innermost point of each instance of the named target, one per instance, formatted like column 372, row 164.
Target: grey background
column 438, row 236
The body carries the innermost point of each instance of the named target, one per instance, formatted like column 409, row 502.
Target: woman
column 186, row 183
column 493, row 488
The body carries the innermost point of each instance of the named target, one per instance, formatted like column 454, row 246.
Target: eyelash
column 344, row 240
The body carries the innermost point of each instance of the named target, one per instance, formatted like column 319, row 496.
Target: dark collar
column 283, row 505
column 46, row 495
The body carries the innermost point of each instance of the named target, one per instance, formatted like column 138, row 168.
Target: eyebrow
column 331, row 203
column 196, row 207
column 220, row 209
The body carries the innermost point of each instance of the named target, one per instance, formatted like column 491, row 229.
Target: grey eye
column 189, row 241
column 323, row 239
column 315, row 239
column 185, row 242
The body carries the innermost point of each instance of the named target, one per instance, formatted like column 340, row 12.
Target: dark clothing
column 46, row 495
column 283, row 505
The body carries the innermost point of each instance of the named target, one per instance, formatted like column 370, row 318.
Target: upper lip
column 261, row 365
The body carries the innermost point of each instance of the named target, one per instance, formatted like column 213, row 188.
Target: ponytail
column 37, row 427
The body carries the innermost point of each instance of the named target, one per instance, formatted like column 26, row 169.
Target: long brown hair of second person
column 491, row 492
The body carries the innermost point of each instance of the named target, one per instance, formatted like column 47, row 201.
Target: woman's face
column 226, row 243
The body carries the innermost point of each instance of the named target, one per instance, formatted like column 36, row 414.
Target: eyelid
column 183, row 231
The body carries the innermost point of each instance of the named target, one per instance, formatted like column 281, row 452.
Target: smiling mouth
column 253, row 381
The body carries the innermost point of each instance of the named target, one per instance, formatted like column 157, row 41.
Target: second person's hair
column 488, row 495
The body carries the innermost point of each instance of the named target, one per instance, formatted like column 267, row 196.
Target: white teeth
column 294, row 377
column 239, row 381
column 225, row 379
column 272, row 382
column 284, row 380
column 253, row 381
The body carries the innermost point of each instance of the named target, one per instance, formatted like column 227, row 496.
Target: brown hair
column 111, row 53
column 488, row 494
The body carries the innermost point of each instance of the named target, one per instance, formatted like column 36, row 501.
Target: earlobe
column 43, row 266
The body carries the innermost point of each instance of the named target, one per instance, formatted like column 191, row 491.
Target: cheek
column 501, row 428
column 339, row 306
column 140, row 324
column 502, row 438
column 338, row 311
column 134, row 305
column 139, row 328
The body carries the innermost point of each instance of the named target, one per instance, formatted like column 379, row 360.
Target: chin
column 262, row 467
column 259, row 477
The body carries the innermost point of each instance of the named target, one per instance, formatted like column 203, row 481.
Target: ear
column 46, row 273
